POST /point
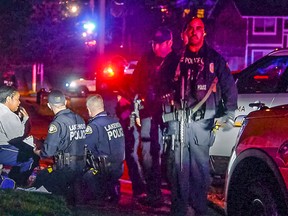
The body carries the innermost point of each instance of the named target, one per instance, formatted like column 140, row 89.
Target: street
column 40, row 116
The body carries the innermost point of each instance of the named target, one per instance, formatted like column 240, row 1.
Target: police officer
column 152, row 79
column 65, row 141
column 105, row 140
column 12, row 131
column 199, row 66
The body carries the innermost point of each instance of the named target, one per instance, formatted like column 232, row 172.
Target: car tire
column 255, row 197
column 83, row 91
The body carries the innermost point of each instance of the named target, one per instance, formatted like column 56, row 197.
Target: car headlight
column 72, row 85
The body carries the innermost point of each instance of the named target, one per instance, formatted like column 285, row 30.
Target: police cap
column 56, row 97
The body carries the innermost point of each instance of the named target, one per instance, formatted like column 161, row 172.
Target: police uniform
column 105, row 137
column 66, row 139
column 132, row 143
column 199, row 70
column 153, row 78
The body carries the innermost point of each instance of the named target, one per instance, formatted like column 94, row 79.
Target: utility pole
column 101, row 39
column 92, row 6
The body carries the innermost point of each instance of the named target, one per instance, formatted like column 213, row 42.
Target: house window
column 286, row 24
column 264, row 26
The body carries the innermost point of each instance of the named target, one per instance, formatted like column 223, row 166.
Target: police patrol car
column 81, row 86
column 109, row 77
column 263, row 83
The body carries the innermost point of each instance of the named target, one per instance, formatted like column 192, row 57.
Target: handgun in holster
column 103, row 163
column 67, row 159
column 90, row 160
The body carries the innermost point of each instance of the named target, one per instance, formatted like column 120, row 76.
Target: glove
column 227, row 121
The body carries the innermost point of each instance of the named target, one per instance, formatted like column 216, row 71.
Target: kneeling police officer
column 65, row 141
column 105, row 140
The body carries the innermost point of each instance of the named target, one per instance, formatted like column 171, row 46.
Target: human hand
column 227, row 121
column 138, row 122
column 23, row 112
column 36, row 151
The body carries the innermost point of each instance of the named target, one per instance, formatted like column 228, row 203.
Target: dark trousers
column 132, row 142
column 151, row 147
column 64, row 182
column 190, row 183
column 100, row 186
column 22, row 163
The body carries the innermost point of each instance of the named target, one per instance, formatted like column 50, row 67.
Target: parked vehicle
column 263, row 83
column 257, row 176
column 112, row 77
column 115, row 74
column 81, row 87
column 130, row 67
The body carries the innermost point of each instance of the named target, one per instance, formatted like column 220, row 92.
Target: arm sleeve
column 52, row 140
column 227, row 84
column 12, row 126
column 92, row 138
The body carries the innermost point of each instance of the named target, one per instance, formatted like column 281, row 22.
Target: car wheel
column 83, row 92
column 254, row 198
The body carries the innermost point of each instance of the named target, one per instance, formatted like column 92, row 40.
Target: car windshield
column 268, row 75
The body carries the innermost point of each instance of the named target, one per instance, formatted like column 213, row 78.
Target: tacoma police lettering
column 77, row 131
column 114, row 130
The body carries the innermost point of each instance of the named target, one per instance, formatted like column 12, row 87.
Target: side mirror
column 258, row 105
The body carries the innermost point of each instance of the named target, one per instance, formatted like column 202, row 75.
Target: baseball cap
column 162, row 34
column 56, row 97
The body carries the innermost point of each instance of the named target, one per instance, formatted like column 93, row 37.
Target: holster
column 100, row 163
column 59, row 160
column 66, row 160
column 103, row 163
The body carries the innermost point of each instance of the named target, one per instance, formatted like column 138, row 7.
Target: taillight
column 109, row 72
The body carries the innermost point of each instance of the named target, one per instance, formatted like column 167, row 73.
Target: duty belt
column 76, row 158
column 65, row 159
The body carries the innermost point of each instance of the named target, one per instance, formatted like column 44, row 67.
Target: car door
column 264, row 83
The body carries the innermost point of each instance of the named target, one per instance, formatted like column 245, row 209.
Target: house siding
column 234, row 38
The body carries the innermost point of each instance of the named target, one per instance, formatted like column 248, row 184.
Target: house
column 244, row 30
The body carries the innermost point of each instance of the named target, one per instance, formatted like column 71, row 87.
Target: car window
column 269, row 75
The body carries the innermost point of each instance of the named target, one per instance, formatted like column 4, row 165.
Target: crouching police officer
column 65, row 141
column 105, row 140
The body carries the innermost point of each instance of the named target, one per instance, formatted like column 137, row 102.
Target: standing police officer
column 152, row 79
column 200, row 67
column 105, row 140
column 65, row 141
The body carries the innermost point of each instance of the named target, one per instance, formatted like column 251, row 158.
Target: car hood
column 274, row 112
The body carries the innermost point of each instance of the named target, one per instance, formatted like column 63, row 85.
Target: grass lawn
column 22, row 203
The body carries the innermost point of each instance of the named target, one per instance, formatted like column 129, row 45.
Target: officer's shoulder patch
column 52, row 129
column 89, row 130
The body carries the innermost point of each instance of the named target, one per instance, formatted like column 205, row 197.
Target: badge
column 88, row 130
column 211, row 67
column 52, row 129
column 201, row 87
